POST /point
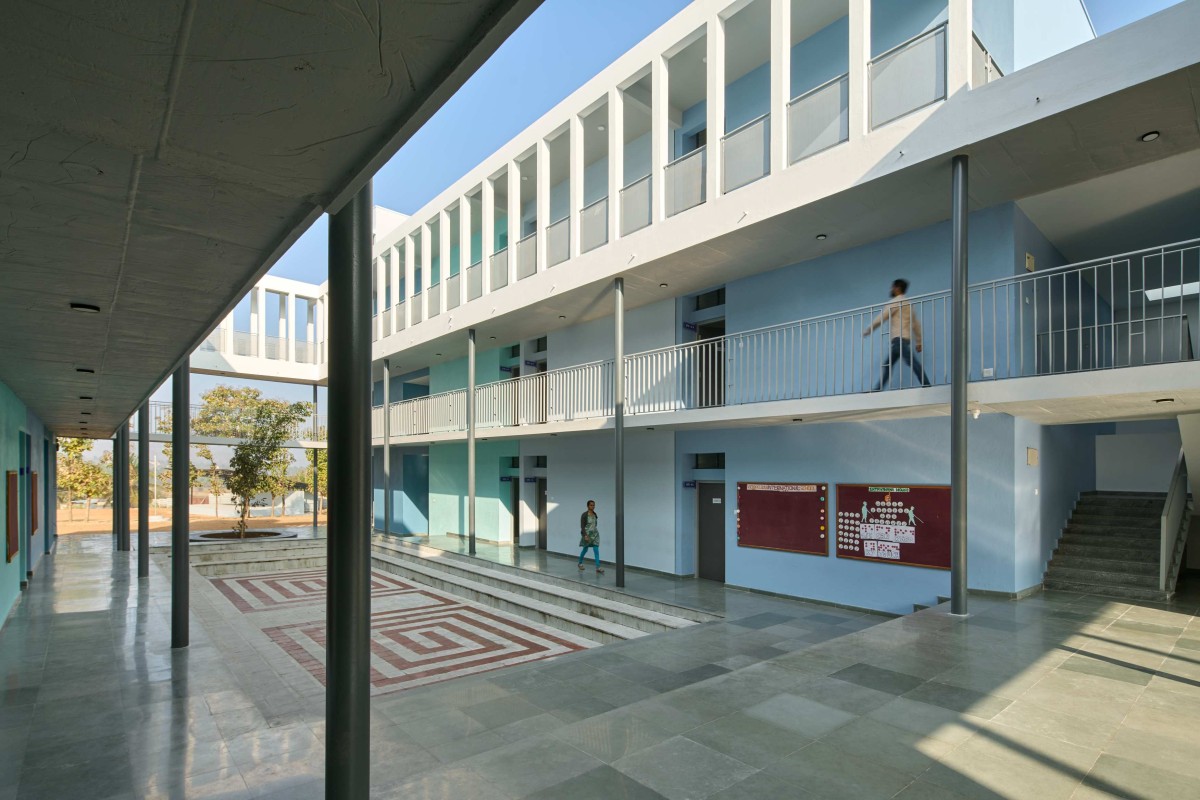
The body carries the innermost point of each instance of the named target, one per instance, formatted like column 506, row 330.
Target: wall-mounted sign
column 895, row 524
column 783, row 516
column 506, row 369
column 689, row 484
column 529, row 363
column 689, row 326
column 506, row 478
column 531, row 480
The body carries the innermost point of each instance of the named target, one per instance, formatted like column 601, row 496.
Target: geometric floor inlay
column 418, row 635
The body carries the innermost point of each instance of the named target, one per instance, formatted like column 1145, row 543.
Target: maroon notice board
column 894, row 524
column 12, row 530
column 783, row 516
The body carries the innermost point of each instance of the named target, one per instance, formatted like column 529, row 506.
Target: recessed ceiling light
column 599, row 127
column 662, row 286
column 821, row 237
column 86, row 397
column 524, row 177
column 1149, row 136
column 1165, row 400
column 562, row 316
column 85, row 370
column 86, row 308
column 86, row 413
column 437, row 354
column 798, row 419
column 493, row 338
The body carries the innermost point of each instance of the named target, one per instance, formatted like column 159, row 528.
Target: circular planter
column 231, row 536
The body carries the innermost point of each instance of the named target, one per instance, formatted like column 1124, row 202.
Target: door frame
column 696, row 548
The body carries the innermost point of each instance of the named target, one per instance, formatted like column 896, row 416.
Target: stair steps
column 253, row 557
column 593, row 612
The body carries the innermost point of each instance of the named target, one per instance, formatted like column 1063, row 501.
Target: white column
column 319, row 329
column 310, row 325
column 575, row 200
column 860, row 54
column 488, row 210
column 716, row 105
column 260, row 322
column 291, row 325
column 380, row 281
column 426, row 268
column 410, row 279
column 514, row 217
column 464, row 246
column 781, row 81
column 397, row 270
column 616, row 161
column 444, row 261
column 542, row 201
column 958, row 47
column 660, row 136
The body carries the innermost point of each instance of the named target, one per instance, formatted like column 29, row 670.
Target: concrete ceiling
column 157, row 156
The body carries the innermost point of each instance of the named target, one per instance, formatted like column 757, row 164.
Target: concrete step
column 228, row 559
column 1101, row 577
column 1123, row 592
column 1101, row 520
column 481, row 569
column 1110, row 540
column 1132, row 501
column 577, row 623
column 1093, row 549
column 1100, row 564
column 1089, row 528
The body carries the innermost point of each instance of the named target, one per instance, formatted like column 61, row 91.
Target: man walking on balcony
column 905, row 330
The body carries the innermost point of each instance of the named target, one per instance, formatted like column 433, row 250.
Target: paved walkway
column 1056, row 696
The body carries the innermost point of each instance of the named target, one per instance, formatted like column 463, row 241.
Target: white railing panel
column 453, row 292
column 276, row 348
column 746, row 153
column 435, row 300
column 416, row 311
column 685, row 181
column 527, row 256
column 593, row 225
column 908, row 77
column 558, row 242
column 819, row 119
column 984, row 68
column 635, row 206
column 400, row 316
column 500, row 269
column 475, row 281
column 245, row 344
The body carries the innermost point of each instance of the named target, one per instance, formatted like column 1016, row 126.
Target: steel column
column 960, row 349
column 387, row 448
column 471, row 441
column 316, row 459
column 347, row 704
column 122, row 475
column 143, row 545
column 180, row 491
column 619, row 426
column 116, row 490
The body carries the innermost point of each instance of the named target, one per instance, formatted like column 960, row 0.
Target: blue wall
column 410, row 489
column 15, row 422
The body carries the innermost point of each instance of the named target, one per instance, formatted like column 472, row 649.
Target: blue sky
column 558, row 49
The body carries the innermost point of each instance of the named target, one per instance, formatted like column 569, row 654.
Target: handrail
column 596, row 202
column 1041, row 273
column 740, row 128
column 815, row 89
column 684, row 157
column 645, row 177
column 1172, row 520
column 527, row 237
column 907, row 42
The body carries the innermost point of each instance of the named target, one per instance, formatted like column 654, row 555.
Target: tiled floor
column 1056, row 696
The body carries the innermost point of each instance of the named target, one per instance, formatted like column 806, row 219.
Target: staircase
column 594, row 612
column 252, row 557
column 1111, row 547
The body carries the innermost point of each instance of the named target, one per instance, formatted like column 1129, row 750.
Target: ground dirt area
column 160, row 520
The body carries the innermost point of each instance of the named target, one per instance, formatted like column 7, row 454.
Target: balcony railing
column 499, row 269
column 435, row 413
column 527, row 256
column 685, row 181
column 245, row 344
column 819, row 119
column 475, row 281
column 908, row 77
column 635, row 205
column 746, row 153
column 453, row 290
column 231, row 428
column 984, row 68
column 558, row 242
column 593, row 225
column 1121, row 311
column 434, row 296
column 277, row 348
column 306, row 352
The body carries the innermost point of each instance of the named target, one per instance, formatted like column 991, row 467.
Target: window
column 708, row 461
column 710, row 299
column 539, row 462
column 539, row 346
column 514, row 462
column 514, row 351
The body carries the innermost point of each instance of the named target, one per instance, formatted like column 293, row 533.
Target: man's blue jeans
column 901, row 348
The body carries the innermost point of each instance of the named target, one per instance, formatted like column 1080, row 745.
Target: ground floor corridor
column 1055, row 696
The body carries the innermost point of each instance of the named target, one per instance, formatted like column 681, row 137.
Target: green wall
column 13, row 417
column 448, row 488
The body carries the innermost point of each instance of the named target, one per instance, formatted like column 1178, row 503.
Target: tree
column 322, row 460
column 165, row 475
column 257, row 459
column 71, row 470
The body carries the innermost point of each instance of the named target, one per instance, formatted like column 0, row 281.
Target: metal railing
column 819, row 119
column 475, row 281
column 1121, row 311
column 685, row 181
column 245, row 344
column 499, row 269
column 593, row 225
column 453, row 290
column 527, row 256
column 276, row 347
column 434, row 299
column 1173, row 524
column 558, row 242
column 635, row 205
column 309, row 429
column 984, row 68
column 746, row 153
column 306, row 352
column 398, row 317
column 909, row 76
column 375, row 327
column 435, row 413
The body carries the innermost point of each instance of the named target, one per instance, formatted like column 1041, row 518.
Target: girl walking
column 589, row 535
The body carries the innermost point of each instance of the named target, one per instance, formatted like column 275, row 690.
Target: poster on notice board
column 894, row 524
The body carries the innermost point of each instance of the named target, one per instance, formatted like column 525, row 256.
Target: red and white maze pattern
column 418, row 635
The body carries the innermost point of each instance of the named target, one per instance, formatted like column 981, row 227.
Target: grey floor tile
column 888, row 745
column 601, row 783
column 501, row 711
column 879, row 679
column 612, row 736
column 830, row 772
column 454, row 781
column 682, row 769
column 800, row 715
column 1115, row 777
column 956, row 698
column 750, row 740
column 1104, row 667
column 530, row 765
